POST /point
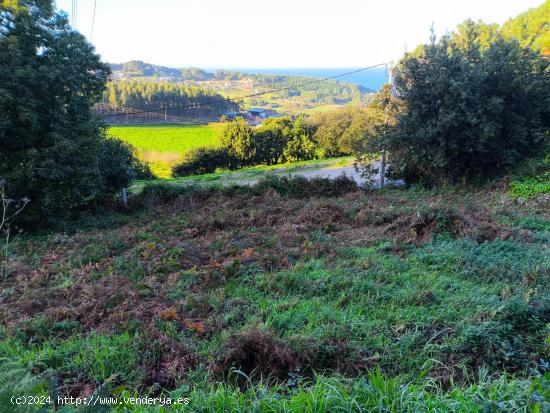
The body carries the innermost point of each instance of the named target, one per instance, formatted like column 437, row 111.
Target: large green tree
column 52, row 149
column 468, row 112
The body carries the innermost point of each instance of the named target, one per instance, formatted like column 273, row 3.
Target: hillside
column 300, row 95
column 531, row 28
column 260, row 277
column 424, row 298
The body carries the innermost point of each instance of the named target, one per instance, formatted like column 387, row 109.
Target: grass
column 161, row 146
column 250, row 174
column 530, row 187
column 271, row 299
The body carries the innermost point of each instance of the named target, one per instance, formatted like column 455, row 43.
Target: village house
column 254, row 116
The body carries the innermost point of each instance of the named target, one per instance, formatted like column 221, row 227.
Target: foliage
column 349, row 130
column 205, row 160
column 118, row 162
column 164, row 96
column 530, row 187
column 275, row 141
column 531, row 28
column 468, row 113
column 239, row 142
column 299, row 148
column 52, row 149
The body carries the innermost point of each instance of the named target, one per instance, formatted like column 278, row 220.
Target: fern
column 18, row 380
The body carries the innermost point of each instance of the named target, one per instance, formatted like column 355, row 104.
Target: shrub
column 152, row 195
column 301, row 187
column 205, row 160
column 493, row 343
column 470, row 113
column 237, row 140
column 530, row 187
column 270, row 140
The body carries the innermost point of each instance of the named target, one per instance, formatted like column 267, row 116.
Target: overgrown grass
column 289, row 295
column 373, row 393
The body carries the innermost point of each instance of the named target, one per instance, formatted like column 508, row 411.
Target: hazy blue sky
column 280, row 33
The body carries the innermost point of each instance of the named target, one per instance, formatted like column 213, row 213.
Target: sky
column 274, row 34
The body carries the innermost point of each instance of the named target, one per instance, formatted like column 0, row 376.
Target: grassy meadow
column 161, row 146
column 289, row 296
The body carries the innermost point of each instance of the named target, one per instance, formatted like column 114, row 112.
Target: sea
column 370, row 78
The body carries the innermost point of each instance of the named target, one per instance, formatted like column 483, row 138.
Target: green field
column 161, row 146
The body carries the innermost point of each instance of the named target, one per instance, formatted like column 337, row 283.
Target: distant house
column 234, row 115
column 254, row 116
column 262, row 113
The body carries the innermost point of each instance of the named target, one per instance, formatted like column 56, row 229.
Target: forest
column 174, row 100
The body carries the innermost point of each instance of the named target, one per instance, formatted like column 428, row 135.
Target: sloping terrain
column 284, row 297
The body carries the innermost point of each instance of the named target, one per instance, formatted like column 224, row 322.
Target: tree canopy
column 531, row 28
column 179, row 100
column 469, row 110
column 52, row 149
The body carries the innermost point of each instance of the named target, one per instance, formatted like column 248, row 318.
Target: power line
column 74, row 13
column 215, row 102
column 93, row 21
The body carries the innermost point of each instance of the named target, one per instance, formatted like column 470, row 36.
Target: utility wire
column 93, row 21
column 74, row 13
column 215, row 102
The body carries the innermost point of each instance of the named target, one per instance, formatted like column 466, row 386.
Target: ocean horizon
column 370, row 78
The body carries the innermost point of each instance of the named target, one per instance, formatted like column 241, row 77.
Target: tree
column 468, row 113
column 531, row 29
column 270, row 140
column 301, row 146
column 237, row 138
column 478, row 32
column 330, row 129
column 52, row 149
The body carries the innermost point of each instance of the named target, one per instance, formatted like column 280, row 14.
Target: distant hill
column 297, row 92
column 531, row 28
column 139, row 68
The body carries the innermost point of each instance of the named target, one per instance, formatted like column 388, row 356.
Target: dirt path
column 330, row 172
column 331, row 169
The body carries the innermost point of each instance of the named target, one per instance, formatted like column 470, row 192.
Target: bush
column 300, row 187
column 153, row 195
column 470, row 113
column 299, row 148
column 238, row 141
column 205, row 160
column 277, row 140
column 530, row 187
